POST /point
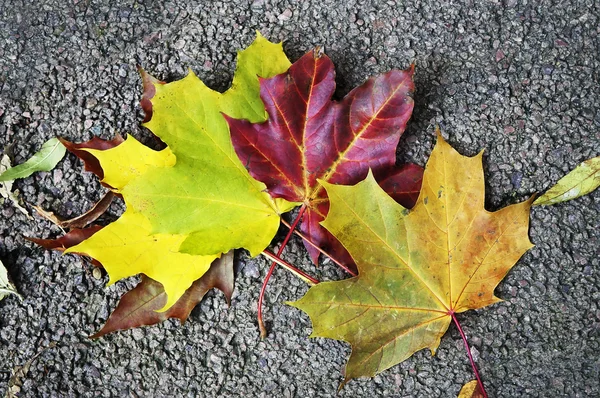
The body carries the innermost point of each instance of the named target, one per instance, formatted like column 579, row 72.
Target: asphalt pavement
column 520, row 79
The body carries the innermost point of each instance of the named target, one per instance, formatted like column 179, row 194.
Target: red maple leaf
column 308, row 137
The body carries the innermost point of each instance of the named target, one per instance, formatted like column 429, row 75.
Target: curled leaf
column 83, row 220
column 70, row 239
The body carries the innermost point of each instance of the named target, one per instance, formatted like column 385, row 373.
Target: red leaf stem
column 309, row 242
column 462, row 334
column 261, row 325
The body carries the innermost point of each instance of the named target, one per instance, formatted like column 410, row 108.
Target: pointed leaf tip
column 70, row 239
column 141, row 305
column 90, row 162
column 149, row 83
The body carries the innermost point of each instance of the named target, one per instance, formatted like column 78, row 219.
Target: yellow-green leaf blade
column 208, row 194
column 383, row 326
column 44, row 160
column 380, row 313
column 459, row 248
column 415, row 268
column 371, row 226
column 584, row 179
column 129, row 160
column 261, row 58
column 127, row 248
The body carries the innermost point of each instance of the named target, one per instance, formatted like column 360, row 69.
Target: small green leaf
column 6, row 287
column 581, row 181
column 44, row 160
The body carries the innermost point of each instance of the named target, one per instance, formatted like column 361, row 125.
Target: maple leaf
column 418, row 267
column 140, row 306
column 193, row 200
column 309, row 137
column 208, row 194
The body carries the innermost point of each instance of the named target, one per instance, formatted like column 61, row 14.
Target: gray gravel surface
column 518, row 79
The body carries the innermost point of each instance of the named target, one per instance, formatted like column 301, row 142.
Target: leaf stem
column 307, row 240
column 462, row 334
column 277, row 260
column 300, row 274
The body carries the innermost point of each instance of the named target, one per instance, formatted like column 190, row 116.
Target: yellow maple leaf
column 416, row 267
column 128, row 161
column 194, row 200
column 127, row 247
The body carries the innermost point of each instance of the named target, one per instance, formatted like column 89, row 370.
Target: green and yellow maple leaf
column 416, row 267
column 195, row 199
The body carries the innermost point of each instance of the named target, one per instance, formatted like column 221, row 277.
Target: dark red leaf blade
column 70, row 239
column 402, row 183
column 309, row 137
column 92, row 214
column 138, row 307
column 149, row 90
